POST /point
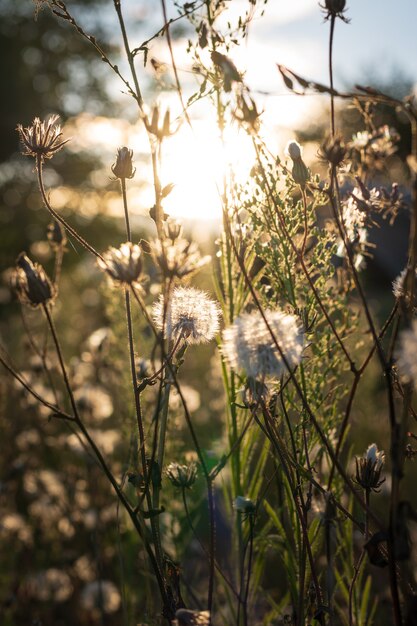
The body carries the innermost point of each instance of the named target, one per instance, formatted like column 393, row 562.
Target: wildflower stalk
column 138, row 524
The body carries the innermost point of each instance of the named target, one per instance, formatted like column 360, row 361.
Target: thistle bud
column 335, row 6
column 333, row 150
column 245, row 506
column 123, row 167
column 56, row 235
column 369, row 468
column 182, row 476
column 31, row 283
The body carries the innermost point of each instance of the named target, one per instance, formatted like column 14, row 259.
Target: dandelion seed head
column 248, row 345
column 190, row 314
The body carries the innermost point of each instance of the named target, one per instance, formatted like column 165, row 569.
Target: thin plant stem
column 55, row 215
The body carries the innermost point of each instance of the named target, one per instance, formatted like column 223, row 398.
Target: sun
column 197, row 161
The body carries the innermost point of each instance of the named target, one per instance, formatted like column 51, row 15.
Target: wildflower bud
column 123, row 167
column 300, row 171
column 56, row 235
column 333, row 150
column 182, row 476
column 369, row 468
column 244, row 505
column 173, row 229
column 42, row 139
column 293, row 150
column 124, row 264
column 32, row 285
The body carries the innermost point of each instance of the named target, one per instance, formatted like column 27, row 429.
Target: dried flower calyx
column 42, row 139
column 123, row 264
column 31, row 283
column 123, row 167
column 176, row 256
column 369, row 468
column 157, row 129
column 182, row 476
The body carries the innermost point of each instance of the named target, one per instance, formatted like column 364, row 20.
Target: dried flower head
column 31, row 283
column 300, row 172
column 190, row 314
column 369, row 468
column 42, row 139
column 123, row 167
column 186, row 617
column 124, row 264
column 178, row 257
column 407, row 354
column 182, row 476
column 248, row 345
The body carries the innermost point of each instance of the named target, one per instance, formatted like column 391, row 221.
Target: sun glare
column 195, row 160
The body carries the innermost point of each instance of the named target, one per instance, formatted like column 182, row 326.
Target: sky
column 377, row 44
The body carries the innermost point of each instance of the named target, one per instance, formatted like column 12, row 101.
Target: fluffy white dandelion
column 190, row 314
column 407, row 354
column 248, row 345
